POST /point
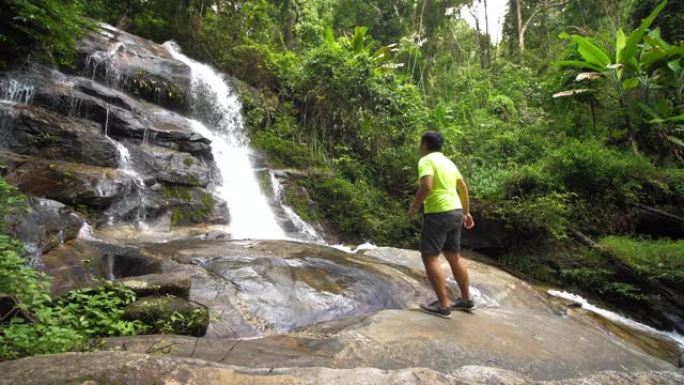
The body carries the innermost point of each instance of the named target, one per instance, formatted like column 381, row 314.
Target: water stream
column 303, row 229
column 617, row 318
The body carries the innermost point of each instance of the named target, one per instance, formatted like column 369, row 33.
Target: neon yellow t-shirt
column 445, row 174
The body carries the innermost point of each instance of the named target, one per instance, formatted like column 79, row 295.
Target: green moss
column 194, row 181
column 301, row 205
column 177, row 216
column 188, row 162
column 208, row 203
column 177, row 192
column 285, row 152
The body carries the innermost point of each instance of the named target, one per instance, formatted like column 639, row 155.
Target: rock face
column 310, row 306
column 142, row 67
column 142, row 369
column 108, row 142
column 46, row 224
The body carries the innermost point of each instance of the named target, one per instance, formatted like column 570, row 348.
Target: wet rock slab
column 45, row 225
column 66, row 182
column 143, row 369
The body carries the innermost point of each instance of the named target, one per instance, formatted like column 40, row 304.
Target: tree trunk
column 521, row 31
column 489, row 36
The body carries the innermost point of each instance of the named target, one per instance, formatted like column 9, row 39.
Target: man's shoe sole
column 440, row 315
column 463, row 308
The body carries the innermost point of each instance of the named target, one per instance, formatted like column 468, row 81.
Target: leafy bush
column 657, row 259
column 53, row 25
column 284, row 152
column 595, row 171
column 39, row 325
column 358, row 210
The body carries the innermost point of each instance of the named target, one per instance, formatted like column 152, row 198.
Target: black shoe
column 436, row 309
column 463, row 304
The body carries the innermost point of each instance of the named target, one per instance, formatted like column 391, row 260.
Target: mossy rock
column 170, row 315
column 175, row 283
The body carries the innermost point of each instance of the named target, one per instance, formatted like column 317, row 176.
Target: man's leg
column 460, row 271
column 436, row 277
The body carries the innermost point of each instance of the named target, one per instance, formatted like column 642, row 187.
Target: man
column 444, row 195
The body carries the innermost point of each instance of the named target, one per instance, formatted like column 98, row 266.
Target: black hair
column 433, row 140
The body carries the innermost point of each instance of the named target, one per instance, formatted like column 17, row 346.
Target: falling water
column 126, row 167
column 110, row 267
column 97, row 59
column 12, row 90
column 300, row 225
column 106, row 125
column 219, row 109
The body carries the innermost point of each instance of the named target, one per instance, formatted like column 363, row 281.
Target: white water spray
column 300, row 225
column 14, row 91
column 215, row 103
column 106, row 59
column 617, row 318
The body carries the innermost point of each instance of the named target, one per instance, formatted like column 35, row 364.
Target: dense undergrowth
column 34, row 321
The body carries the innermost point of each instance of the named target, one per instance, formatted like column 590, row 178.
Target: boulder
column 71, row 183
column 176, row 283
column 45, row 225
column 32, row 130
column 170, row 166
column 183, row 205
column 139, row 66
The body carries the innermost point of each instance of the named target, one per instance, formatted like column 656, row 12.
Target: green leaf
column 620, row 42
column 590, row 51
column 630, row 83
column 675, row 140
column 631, row 45
column 578, row 64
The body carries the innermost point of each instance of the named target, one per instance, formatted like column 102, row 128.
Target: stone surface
column 140, row 66
column 174, row 206
column 45, row 225
column 71, row 183
column 175, row 283
column 170, row 166
column 327, row 300
column 32, row 130
column 145, row 369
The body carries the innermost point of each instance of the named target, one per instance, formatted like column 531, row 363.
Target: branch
column 544, row 7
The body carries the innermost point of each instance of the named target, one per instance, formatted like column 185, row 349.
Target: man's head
column 431, row 141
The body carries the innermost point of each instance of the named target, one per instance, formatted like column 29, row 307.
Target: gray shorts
column 441, row 232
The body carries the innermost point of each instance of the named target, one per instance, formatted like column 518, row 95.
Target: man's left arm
column 423, row 191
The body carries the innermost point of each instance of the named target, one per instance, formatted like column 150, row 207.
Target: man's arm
column 462, row 188
column 423, row 191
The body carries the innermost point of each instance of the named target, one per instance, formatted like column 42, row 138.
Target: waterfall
column 12, row 90
column 219, row 118
column 96, row 60
column 126, row 167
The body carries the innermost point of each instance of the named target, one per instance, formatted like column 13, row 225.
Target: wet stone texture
column 305, row 305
